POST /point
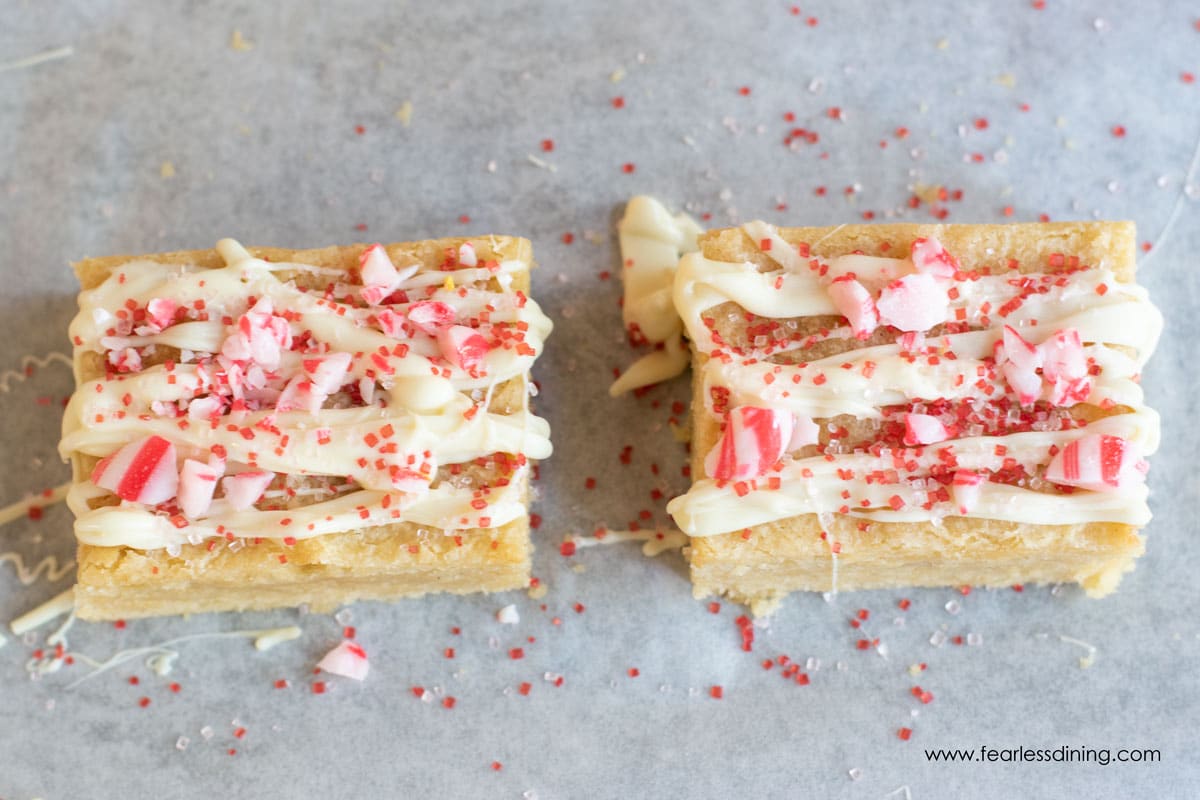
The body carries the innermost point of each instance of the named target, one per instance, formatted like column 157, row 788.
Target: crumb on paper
column 943, row 44
column 404, row 113
column 1007, row 80
column 617, row 75
column 538, row 592
column 541, row 164
column 167, row 170
column 239, row 42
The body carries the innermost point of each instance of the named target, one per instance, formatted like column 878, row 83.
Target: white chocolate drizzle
column 652, row 241
column 1116, row 322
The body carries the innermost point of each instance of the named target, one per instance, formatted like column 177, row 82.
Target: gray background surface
column 264, row 147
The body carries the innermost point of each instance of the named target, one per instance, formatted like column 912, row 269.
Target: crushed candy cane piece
column 913, row 303
column 348, row 659
column 508, row 615
column 930, row 257
column 244, row 489
column 466, row 255
column 328, row 372
column 463, row 347
column 1065, row 367
column 1098, row 462
column 854, row 302
column 126, row 360
column 161, row 312
column 967, row 488
column 140, row 472
column 260, row 337
column 197, row 482
column 431, row 316
column 924, row 429
column 753, row 441
column 804, row 433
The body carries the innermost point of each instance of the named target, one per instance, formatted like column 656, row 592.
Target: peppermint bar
column 256, row 427
column 915, row 405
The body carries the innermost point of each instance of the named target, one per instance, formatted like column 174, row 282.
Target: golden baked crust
column 765, row 562
column 380, row 562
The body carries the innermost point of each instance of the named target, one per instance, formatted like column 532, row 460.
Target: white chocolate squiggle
column 1115, row 320
column 427, row 411
column 651, row 242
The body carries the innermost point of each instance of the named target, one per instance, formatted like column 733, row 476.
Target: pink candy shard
column 466, row 255
column 327, row 372
column 299, row 395
column 967, row 487
column 197, row 482
column 348, row 660
column 261, row 336
column 431, row 316
column 323, row 375
column 913, row 303
column 391, row 323
column 410, row 480
column 127, row 360
column 463, row 347
column 753, row 441
column 804, row 433
column 204, row 408
column 1020, row 361
column 1065, row 366
column 853, row 301
column 140, row 472
column 930, row 257
column 924, row 429
column 1098, row 462
column 160, row 312
column 244, row 489
column 377, row 269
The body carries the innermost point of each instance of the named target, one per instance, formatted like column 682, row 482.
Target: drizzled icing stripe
column 862, row 382
column 423, row 405
column 651, row 242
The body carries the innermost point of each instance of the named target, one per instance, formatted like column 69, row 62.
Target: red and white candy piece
column 160, row 312
column 126, row 360
column 1020, row 361
column 463, row 347
column 379, row 275
column 753, row 441
column 915, row 302
column 431, row 316
column 327, row 372
column 244, row 489
column 261, row 336
column 197, row 482
column 924, row 429
column 323, row 375
column 391, row 323
column 347, row 659
column 930, row 257
column 804, row 433
column 1065, row 367
column 1098, row 462
column 854, row 302
column 967, row 487
column 466, row 255
column 140, row 472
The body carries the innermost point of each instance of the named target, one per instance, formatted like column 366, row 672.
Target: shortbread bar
column 256, row 427
column 915, row 405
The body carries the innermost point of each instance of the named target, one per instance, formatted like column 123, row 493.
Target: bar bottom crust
column 381, row 563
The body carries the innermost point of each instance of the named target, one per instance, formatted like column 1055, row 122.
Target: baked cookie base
column 381, row 563
column 377, row 563
column 762, row 564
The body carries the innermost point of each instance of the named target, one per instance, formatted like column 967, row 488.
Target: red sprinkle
column 628, row 167
column 716, row 692
column 904, row 733
column 567, row 549
column 318, row 687
column 143, row 702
